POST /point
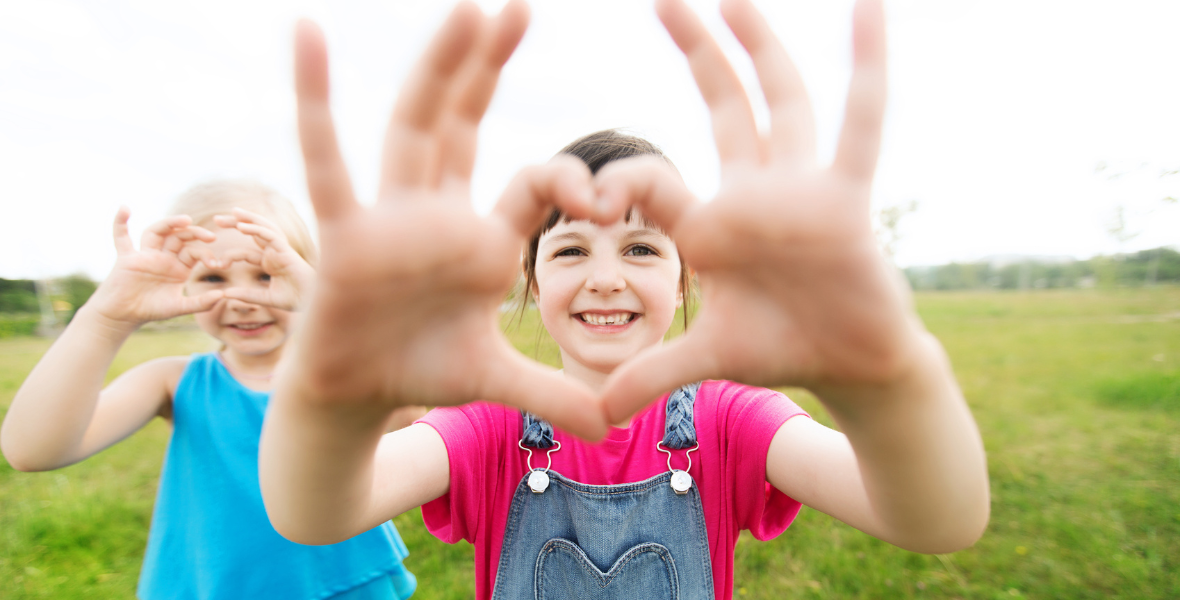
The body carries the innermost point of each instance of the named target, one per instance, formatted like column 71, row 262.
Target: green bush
column 12, row 325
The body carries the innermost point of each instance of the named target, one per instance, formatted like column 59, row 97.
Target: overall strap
column 679, row 430
column 538, row 433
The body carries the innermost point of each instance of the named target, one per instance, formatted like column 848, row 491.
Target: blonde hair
column 205, row 200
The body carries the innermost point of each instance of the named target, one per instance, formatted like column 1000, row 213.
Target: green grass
column 1076, row 393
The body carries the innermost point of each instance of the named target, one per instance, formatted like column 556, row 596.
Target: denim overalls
column 566, row 539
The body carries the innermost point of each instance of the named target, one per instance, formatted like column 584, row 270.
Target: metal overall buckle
column 681, row 480
column 539, row 478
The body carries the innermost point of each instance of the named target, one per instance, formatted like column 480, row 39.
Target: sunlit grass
column 1074, row 391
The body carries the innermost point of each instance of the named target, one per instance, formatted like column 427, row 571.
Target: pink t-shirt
column 735, row 424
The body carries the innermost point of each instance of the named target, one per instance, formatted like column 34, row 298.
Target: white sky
column 1000, row 111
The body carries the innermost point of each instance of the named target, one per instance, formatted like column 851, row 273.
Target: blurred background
column 1028, row 187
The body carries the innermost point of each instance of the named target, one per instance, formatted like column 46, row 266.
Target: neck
column 257, row 369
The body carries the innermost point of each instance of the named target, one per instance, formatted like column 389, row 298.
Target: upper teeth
column 615, row 319
column 248, row 325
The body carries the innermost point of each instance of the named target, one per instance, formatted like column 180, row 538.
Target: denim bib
column 606, row 542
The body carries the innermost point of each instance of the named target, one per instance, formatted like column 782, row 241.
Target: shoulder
column 478, row 423
column 157, row 376
column 735, row 405
column 166, row 371
column 736, row 395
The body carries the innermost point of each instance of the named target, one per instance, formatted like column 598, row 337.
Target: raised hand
column 148, row 284
column 291, row 278
column 406, row 308
column 794, row 289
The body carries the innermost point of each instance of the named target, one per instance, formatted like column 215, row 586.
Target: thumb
column 648, row 183
column 200, row 303
column 262, row 297
column 654, row 372
column 566, row 403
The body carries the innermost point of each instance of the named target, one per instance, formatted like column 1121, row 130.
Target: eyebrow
column 561, row 238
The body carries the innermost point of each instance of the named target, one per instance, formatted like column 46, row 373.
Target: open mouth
column 620, row 318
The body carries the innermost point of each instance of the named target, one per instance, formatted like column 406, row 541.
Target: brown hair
column 219, row 197
column 596, row 150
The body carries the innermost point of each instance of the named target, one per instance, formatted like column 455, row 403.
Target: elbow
column 951, row 535
column 296, row 530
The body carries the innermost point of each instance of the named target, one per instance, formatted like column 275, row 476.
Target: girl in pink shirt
column 654, row 462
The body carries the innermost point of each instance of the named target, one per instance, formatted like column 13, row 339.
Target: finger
column 245, row 216
column 478, row 84
column 411, row 140
column 792, row 127
column 648, row 183
column 253, row 296
column 864, row 114
column 328, row 184
column 231, row 256
column 654, row 372
column 190, row 255
column 263, row 236
column 156, row 233
column 734, row 129
column 193, row 233
column 123, row 243
column 567, row 404
column 200, row 303
column 564, row 183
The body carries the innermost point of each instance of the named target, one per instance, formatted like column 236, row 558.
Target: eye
column 641, row 250
column 571, row 251
column 211, row 278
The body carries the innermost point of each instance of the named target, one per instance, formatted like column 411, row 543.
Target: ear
column 679, row 297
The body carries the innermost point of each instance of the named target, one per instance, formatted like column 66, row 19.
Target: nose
column 606, row 276
column 238, row 306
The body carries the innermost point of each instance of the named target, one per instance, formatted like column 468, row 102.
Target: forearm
column 316, row 466
column 49, row 415
column 919, row 453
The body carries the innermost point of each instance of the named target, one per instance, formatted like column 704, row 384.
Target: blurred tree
column 18, row 296
column 889, row 225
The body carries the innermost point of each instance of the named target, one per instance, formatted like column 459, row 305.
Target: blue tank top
column 210, row 536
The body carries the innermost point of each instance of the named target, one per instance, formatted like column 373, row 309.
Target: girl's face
column 606, row 292
column 248, row 330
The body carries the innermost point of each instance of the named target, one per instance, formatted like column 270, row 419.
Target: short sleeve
column 473, row 434
column 752, row 418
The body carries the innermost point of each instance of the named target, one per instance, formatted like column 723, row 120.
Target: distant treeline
column 1148, row 267
column 20, row 308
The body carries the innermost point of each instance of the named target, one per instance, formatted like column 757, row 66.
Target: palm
column 148, row 284
column 832, row 315
column 794, row 290
column 427, row 339
column 406, row 306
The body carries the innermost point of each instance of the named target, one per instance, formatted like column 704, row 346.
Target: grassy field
column 1077, row 394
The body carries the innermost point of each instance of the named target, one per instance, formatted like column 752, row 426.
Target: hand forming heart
column 406, row 310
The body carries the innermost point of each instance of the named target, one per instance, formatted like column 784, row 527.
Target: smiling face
column 249, row 331
column 605, row 293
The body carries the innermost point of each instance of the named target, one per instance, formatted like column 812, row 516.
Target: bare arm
column 796, row 292
column 406, row 303
column 910, row 471
column 61, row 414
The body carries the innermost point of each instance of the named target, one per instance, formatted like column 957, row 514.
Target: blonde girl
column 237, row 256
column 794, row 292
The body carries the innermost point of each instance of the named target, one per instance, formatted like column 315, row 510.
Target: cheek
column 209, row 320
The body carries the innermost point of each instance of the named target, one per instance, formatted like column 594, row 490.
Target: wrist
column 94, row 319
column 921, row 374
